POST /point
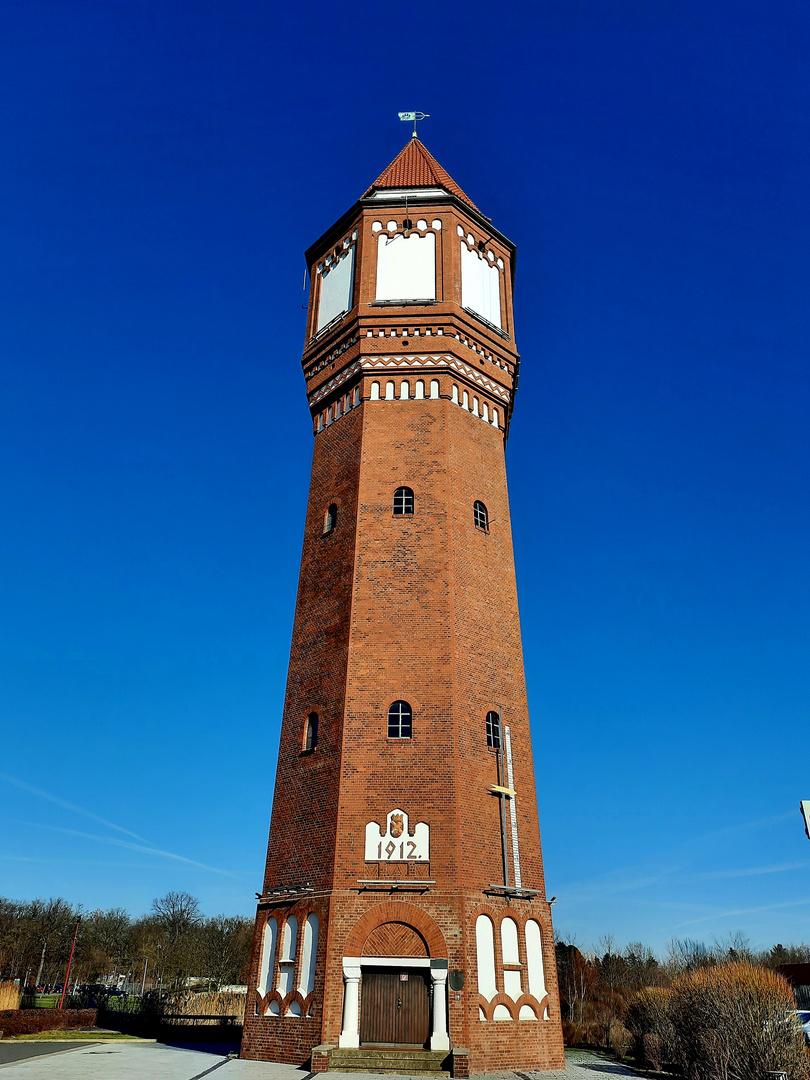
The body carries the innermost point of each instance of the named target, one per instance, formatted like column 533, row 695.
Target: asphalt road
column 18, row 1051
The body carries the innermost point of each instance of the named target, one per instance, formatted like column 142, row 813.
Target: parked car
column 803, row 1016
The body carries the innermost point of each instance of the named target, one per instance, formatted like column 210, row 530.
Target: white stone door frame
column 352, row 973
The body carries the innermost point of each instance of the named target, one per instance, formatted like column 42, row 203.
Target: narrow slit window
column 493, row 731
column 481, row 516
column 330, row 519
column 400, row 720
column 403, row 501
column 311, row 735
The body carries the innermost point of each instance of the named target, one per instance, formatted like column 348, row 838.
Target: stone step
column 405, row 1068
column 389, row 1060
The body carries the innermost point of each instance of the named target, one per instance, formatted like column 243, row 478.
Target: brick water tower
column 403, row 910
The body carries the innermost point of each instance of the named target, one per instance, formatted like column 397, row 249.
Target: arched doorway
column 395, row 980
column 395, row 988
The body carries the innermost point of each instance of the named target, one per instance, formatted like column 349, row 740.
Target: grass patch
column 73, row 1034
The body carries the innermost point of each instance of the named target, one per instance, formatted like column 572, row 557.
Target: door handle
column 399, row 1005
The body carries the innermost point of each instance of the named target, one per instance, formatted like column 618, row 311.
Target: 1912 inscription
column 394, row 842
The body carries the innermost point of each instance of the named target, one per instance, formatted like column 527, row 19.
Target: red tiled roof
column 415, row 166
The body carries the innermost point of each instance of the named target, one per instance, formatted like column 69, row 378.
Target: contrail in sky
column 68, row 806
column 131, row 847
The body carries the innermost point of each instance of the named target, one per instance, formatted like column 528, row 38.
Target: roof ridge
column 415, row 166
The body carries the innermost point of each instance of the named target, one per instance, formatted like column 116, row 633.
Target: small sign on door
column 403, row 976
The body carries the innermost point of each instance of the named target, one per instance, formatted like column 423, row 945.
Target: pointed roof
column 415, row 166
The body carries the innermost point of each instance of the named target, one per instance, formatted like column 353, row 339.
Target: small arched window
column 403, row 501
column 330, row 519
column 493, row 731
column 481, row 516
column 400, row 720
column 311, row 734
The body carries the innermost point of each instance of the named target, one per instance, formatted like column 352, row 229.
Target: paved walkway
column 154, row 1061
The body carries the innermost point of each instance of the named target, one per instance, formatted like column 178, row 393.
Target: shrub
column 653, row 1050
column 570, row 1033
column 648, row 1018
column 619, row 1038
column 734, row 1022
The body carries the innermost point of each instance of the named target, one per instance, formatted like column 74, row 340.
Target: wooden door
column 395, row 1011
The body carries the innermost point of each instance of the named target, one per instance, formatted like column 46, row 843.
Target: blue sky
column 165, row 166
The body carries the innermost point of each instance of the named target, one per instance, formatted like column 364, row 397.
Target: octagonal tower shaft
column 399, row 840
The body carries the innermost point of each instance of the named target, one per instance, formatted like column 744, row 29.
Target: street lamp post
column 70, row 961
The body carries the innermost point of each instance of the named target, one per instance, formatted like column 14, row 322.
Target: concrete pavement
column 155, row 1061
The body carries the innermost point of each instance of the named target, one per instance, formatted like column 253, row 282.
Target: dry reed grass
column 9, row 996
column 214, row 1003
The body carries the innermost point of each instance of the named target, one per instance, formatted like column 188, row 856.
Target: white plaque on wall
column 394, row 842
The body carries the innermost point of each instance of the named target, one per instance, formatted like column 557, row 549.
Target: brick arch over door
column 396, row 912
column 395, row 939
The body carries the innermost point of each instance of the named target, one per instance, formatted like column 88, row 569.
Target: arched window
column 420, row 389
column 485, row 950
column 400, row 720
column 311, row 734
column 403, row 501
column 512, row 983
column 330, row 519
column 389, row 391
column 375, row 391
column 493, row 731
column 405, row 390
column 306, row 982
column 434, row 388
column 481, row 516
column 266, row 970
column 286, row 964
column 454, row 394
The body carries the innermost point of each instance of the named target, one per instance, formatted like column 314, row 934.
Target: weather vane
column 415, row 116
